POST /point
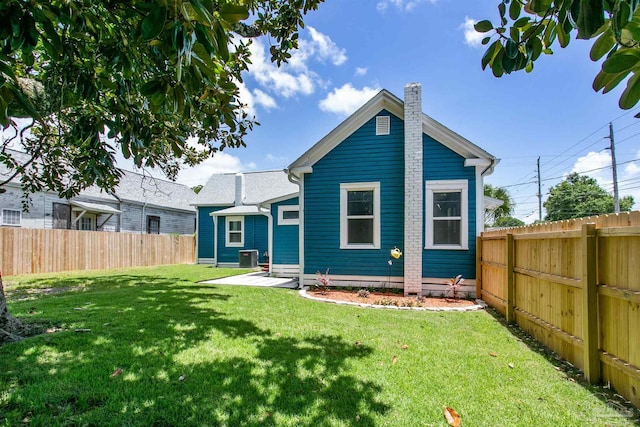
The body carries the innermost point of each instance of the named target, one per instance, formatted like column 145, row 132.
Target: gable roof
column 259, row 187
column 133, row 188
column 385, row 100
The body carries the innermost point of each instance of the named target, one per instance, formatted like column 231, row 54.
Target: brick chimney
column 413, row 190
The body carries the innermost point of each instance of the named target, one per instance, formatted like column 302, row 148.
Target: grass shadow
column 186, row 356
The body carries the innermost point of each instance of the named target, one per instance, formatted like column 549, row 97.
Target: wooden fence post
column 479, row 267
column 590, row 304
column 510, row 292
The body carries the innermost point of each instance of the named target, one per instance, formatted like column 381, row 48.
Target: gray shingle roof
column 133, row 187
column 259, row 187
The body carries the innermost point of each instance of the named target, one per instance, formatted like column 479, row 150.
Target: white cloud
column 326, row 48
column 628, row 176
column 221, row 162
column 296, row 77
column 471, row 36
column 361, row 71
column 401, row 5
column 277, row 80
column 271, row 158
column 263, row 99
column 346, row 99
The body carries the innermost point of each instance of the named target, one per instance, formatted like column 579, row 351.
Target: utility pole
column 539, row 193
column 612, row 147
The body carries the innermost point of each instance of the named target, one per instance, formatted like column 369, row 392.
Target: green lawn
column 196, row 354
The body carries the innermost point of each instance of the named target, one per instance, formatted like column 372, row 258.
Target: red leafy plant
column 323, row 282
column 455, row 284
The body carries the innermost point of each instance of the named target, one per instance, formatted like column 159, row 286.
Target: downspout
column 297, row 179
column 215, row 240
column 196, row 231
column 119, row 223
column 267, row 212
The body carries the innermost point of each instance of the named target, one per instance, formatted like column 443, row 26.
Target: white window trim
column 228, row 220
column 4, row 222
column 344, row 230
column 91, row 218
column 454, row 185
column 288, row 208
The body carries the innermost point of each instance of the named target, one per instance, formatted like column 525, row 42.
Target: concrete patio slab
column 259, row 279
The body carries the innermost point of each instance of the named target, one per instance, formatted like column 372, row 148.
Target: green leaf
column 496, row 64
column 607, row 81
column 621, row 61
column 202, row 11
column 521, row 22
column 591, row 17
column 490, row 53
column 486, row 40
column 502, row 9
column 483, row 26
column 511, row 50
column 602, row 45
column 234, row 12
column 153, row 23
column 538, row 7
column 514, row 9
column 631, row 94
column 563, row 36
column 150, row 88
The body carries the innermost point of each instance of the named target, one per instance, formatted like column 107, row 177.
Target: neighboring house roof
column 220, row 189
column 492, row 202
column 94, row 207
column 385, row 100
column 238, row 210
column 133, row 188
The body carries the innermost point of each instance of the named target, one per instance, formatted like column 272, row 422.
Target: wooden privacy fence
column 575, row 287
column 28, row 250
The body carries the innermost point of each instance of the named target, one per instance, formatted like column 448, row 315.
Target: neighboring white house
column 139, row 204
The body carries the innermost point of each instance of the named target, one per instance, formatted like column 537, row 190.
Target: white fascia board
column 280, row 199
column 384, row 100
column 452, row 140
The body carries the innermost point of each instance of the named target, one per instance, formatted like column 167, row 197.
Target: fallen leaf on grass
column 182, row 377
column 453, row 419
column 358, row 343
column 116, row 373
column 493, row 354
column 511, row 365
column 394, row 360
column 404, row 346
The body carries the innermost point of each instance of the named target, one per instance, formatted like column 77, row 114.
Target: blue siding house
column 390, row 176
column 249, row 211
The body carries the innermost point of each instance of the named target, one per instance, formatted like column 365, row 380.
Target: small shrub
column 455, row 284
column 323, row 282
column 386, row 301
column 420, row 299
column 364, row 293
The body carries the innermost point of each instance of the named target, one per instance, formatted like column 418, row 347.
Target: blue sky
column 350, row 49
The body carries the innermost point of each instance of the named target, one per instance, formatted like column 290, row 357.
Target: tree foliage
column 580, row 196
column 508, row 221
column 528, row 28
column 502, row 211
column 139, row 76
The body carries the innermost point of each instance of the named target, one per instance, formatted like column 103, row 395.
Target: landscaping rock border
column 479, row 305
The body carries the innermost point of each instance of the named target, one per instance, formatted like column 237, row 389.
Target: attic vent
column 383, row 124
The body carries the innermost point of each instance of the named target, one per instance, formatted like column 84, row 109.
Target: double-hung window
column 447, row 221
column 234, row 231
column 360, row 215
column 11, row 217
